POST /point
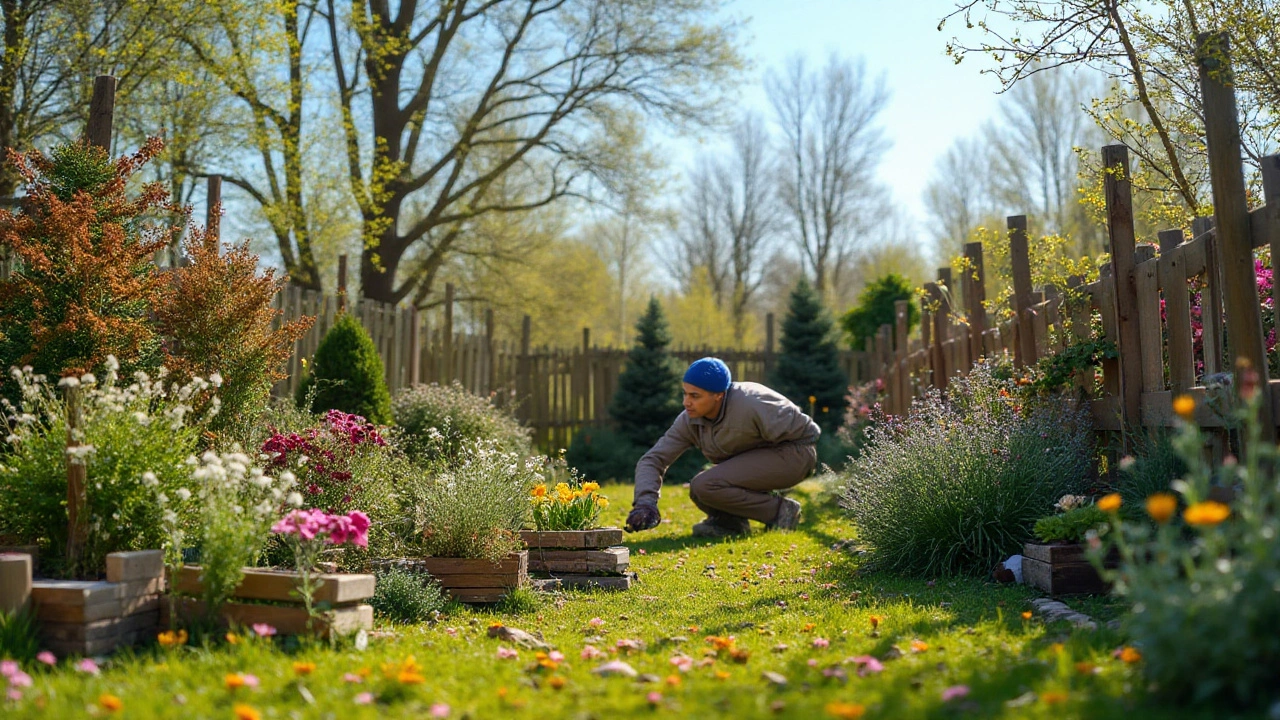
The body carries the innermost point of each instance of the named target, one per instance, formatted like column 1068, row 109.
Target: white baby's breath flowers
column 149, row 479
column 215, row 378
column 294, row 499
column 88, row 379
column 183, row 494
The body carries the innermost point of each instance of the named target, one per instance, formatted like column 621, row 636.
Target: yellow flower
column 1129, row 655
column 1209, row 512
column 233, row 638
column 233, row 681
column 845, row 711
column 1110, row 502
column 245, row 712
column 875, row 621
column 1161, row 507
column 1057, row 648
column 169, row 638
column 602, row 501
column 410, row 677
column 110, row 702
column 539, row 490
column 578, row 493
column 1185, row 407
column 812, row 399
column 1026, row 614
column 590, row 486
column 304, row 668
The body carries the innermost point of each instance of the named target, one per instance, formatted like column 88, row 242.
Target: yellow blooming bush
column 1203, row 582
column 567, row 506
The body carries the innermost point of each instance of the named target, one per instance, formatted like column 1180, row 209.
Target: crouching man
column 759, row 441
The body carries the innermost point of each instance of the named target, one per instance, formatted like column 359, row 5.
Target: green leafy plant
column 404, row 596
column 958, row 485
column 808, row 368
column 472, row 508
column 19, row 635
column 1058, row 371
column 876, row 307
column 459, row 417
column 1071, row 526
column 135, row 440
column 347, row 374
column 1203, row 581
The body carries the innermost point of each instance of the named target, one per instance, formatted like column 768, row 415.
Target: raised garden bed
column 478, row 581
column 1062, row 569
column 581, row 558
column 93, row 617
column 338, row 600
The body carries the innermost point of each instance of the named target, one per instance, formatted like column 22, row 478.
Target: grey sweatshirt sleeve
column 781, row 421
column 653, row 466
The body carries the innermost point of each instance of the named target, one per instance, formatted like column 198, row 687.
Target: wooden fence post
column 1024, row 348
column 1119, row 197
column 77, row 482
column 491, row 374
column 102, row 109
column 768, row 345
column 1271, row 196
column 415, row 346
column 926, row 336
column 447, row 333
column 524, row 390
column 1150, row 328
column 1231, row 215
column 902, row 378
column 1078, row 307
column 937, row 354
column 342, row 282
column 975, row 297
column 1177, row 308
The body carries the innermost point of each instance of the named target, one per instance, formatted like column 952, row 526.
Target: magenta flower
column 364, row 698
column 439, row 710
column 14, row 694
column 954, row 692
column 352, row 678
column 250, row 681
column 19, row 679
column 505, row 653
column 867, row 665
column 47, row 657
column 8, row 668
column 263, row 630
column 820, row 642
column 87, row 665
column 590, row 652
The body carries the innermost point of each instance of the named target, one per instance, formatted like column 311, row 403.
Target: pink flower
column 642, row 551
column 364, row 698
column 819, row 642
column 451, row 632
column 954, row 692
column 14, row 694
column 654, row 697
column 867, row 665
column 19, row 679
column 87, row 665
column 589, row 652
column 439, row 710
column 683, row 662
column 505, row 653
column 250, row 681
column 8, row 668
column 813, row 662
column 352, row 678
column 595, row 622
column 555, row 656
column 47, row 657
column 263, row 630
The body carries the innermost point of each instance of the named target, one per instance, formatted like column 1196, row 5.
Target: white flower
column 26, row 418
column 12, row 439
column 142, row 418
column 170, row 517
column 69, row 382
column 287, row 478
column 149, row 479
column 88, row 379
column 216, row 378
column 294, row 499
column 112, row 364
column 183, row 494
column 162, row 499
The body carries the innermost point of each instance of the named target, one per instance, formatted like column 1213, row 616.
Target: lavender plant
column 959, row 483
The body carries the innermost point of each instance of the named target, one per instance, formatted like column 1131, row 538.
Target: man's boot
column 718, row 526
column 788, row 516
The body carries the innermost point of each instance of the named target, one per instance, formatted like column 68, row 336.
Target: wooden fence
column 1157, row 356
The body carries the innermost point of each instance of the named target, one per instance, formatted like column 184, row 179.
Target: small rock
column 648, row 678
column 775, row 678
column 893, row 653
column 781, row 648
column 1025, row 698
column 616, row 667
column 518, row 637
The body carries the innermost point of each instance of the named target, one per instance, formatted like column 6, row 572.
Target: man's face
column 701, row 403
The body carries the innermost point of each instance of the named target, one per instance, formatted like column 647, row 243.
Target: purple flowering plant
column 322, row 457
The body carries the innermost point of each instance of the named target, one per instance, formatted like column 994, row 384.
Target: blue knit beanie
column 709, row 374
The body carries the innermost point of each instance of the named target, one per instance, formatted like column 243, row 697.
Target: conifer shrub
column 347, row 374
column 85, row 284
column 459, row 417
column 808, row 368
column 876, row 307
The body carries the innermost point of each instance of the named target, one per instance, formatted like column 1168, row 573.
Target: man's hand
column 643, row 517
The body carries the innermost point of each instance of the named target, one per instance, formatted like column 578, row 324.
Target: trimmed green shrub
column 958, row 485
column 648, row 397
column 876, row 307
column 347, row 374
column 459, row 417
column 808, row 369
column 1071, row 526
column 407, row 597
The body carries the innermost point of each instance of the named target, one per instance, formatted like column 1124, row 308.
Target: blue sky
column 933, row 101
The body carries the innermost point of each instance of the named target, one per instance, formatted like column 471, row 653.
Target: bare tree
column 832, row 149
column 727, row 221
column 957, row 197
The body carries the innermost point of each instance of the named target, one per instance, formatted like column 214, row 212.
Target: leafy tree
column 876, row 307
column 809, row 364
column 347, row 374
column 648, row 396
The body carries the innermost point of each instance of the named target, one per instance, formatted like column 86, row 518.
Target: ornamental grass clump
column 473, row 507
column 134, row 439
column 1203, row 579
column 958, row 484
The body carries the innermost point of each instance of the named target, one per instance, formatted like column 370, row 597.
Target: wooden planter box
column 581, row 558
column 95, row 617
column 478, row 581
column 1062, row 569
column 338, row 597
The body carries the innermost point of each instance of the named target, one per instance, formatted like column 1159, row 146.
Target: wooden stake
column 102, row 109
column 975, row 295
column 342, row 282
column 1119, row 196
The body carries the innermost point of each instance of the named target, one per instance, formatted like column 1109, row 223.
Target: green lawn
column 782, row 596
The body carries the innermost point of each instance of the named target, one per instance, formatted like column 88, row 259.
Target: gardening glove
column 643, row 517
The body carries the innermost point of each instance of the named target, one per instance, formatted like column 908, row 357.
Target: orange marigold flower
column 233, row 681
column 1086, row 668
column 722, row 642
column 304, row 668
column 674, row 680
column 556, row 682
column 410, row 677
column 1129, row 655
column 722, row 675
column 539, row 490
column 110, row 703
column 1053, row 697
column 590, row 487
column 170, row 638
column 845, row 711
column 1110, row 502
column 1209, row 512
column 875, row 621
column 1185, row 407
column 1161, row 507
column 808, row 627
column 233, row 638
column 1026, row 614
column 919, row 646
column 246, row 712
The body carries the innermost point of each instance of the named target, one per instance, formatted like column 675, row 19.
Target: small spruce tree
column 648, row 396
column 876, row 307
column 347, row 374
column 809, row 364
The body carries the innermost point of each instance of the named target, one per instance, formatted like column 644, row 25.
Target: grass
column 776, row 593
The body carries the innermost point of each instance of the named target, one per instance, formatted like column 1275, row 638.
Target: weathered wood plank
column 265, row 584
column 598, row 538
